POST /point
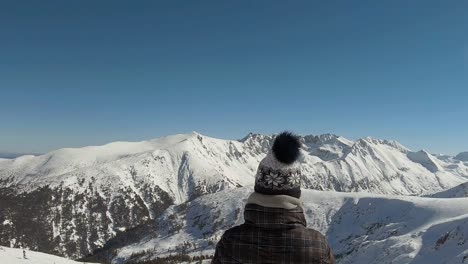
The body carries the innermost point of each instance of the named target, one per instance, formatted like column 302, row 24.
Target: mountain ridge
column 89, row 195
column 360, row 227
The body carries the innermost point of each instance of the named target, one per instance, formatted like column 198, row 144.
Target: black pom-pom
column 286, row 147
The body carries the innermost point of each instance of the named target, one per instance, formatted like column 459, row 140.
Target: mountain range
column 72, row 201
column 360, row 227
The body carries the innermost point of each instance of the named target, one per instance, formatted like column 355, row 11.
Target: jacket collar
column 275, row 218
column 275, row 201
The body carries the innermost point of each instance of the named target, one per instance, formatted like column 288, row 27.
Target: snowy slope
column 9, row 155
column 455, row 192
column 381, row 166
column 426, row 160
column 361, row 228
column 173, row 163
column 463, row 156
column 82, row 197
column 15, row 256
column 177, row 164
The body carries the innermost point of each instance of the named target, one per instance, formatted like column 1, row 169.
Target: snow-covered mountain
column 79, row 198
column 15, row 256
column 176, row 163
column 459, row 191
column 361, row 228
column 10, row 155
column 463, row 156
column 82, row 197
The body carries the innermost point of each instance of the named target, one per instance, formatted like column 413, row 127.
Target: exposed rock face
column 65, row 222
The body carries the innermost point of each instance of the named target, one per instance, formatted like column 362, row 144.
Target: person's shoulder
column 319, row 238
column 316, row 235
column 233, row 235
column 233, row 231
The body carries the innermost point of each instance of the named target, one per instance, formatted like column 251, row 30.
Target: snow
column 15, row 256
column 463, row 156
column 179, row 164
column 456, row 192
column 361, row 227
column 378, row 172
column 425, row 159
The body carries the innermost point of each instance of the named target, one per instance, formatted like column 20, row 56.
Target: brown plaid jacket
column 273, row 235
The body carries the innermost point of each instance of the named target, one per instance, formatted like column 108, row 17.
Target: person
column 24, row 253
column 275, row 229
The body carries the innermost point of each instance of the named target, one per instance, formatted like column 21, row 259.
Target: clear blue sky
column 76, row 73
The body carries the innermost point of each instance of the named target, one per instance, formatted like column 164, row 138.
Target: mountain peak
column 143, row 178
column 195, row 133
column 392, row 143
column 253, row 136
column 425, row 159
column 463, row 156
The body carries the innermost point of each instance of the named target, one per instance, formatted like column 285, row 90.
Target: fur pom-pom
column 286, row 147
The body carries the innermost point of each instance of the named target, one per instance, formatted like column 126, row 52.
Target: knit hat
column 279, row 172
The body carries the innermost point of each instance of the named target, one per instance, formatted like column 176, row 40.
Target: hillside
column 15, row 256
column 79, row 198
column 361, row 228
column 459, row 191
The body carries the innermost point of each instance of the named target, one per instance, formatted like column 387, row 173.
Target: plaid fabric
column 273, row 235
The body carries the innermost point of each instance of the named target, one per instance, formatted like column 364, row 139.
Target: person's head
column 279, row 172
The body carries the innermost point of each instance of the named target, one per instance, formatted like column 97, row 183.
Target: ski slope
column 15, row 256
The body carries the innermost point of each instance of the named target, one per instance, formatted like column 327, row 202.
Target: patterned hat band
column 278, row 182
